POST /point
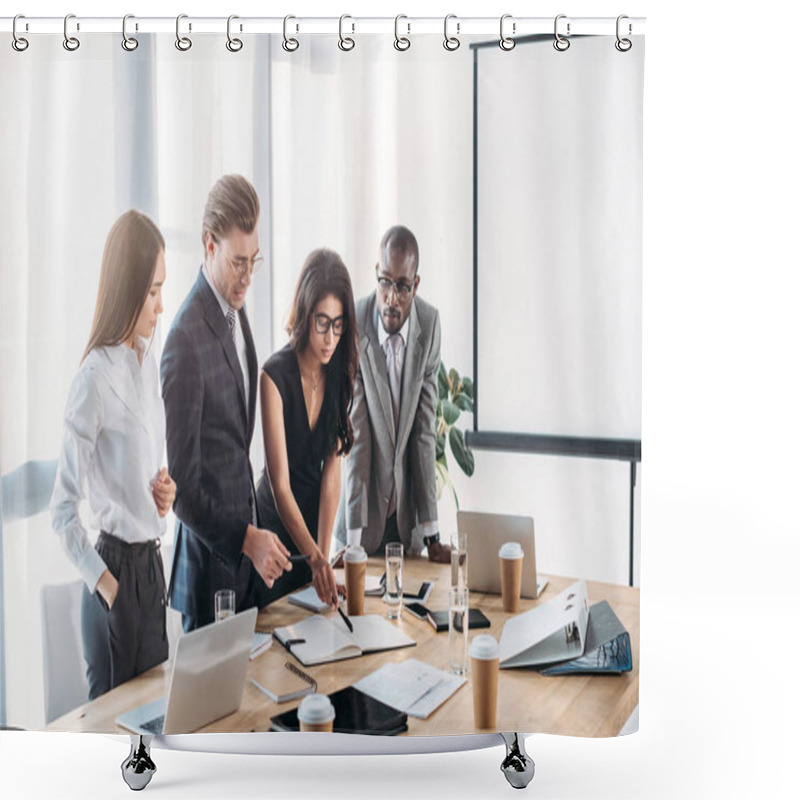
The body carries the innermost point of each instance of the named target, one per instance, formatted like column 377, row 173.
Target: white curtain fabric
column 340, row 146
column 91, row 134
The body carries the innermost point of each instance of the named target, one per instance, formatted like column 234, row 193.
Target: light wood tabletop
column 581, row 705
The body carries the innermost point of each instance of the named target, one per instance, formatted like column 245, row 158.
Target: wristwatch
column 429, row 540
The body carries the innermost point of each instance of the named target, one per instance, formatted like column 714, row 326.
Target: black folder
column 608, row 647
column 356, row 712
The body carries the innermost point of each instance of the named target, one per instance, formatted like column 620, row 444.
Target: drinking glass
column 458, row 560
column 458, row 631
column 393, row 596
column 224, row 604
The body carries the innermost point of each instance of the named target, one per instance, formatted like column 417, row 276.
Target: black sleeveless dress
column 306, row 451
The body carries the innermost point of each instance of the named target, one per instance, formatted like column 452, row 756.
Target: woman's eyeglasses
column 323, row 323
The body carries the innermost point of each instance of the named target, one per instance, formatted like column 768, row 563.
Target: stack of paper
column 411, row 686
column 261, row 643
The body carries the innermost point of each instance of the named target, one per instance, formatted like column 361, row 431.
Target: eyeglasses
column 241, row 266
column 323, row 323
column 401, row 288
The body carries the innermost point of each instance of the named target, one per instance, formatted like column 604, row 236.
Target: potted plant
column 455, row 396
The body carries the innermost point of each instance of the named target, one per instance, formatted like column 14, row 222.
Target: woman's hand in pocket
column 107, row 587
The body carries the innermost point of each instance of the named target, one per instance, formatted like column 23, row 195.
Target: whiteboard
column 559, row 238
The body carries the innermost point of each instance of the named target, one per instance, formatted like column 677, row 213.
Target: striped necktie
column 231, row 318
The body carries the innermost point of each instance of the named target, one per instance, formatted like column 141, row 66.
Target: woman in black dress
column 306, row 395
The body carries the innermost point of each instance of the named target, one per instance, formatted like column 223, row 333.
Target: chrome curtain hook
column 560, row 43
column 183, row 43
column 234, row 44
column 401, row 43
column 70, row 42
column 289, row 45
column 451, row 42
column 346, row 43
column 623, row 45
column 19, row 43
column 506, row 42
column 129, row 43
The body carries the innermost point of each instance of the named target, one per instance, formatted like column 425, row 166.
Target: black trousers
column 132, row 637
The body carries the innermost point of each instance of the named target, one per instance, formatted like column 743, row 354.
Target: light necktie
column 231, row 318
column 395, row 370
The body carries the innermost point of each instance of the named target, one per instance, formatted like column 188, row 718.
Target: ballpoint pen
column 344, row 617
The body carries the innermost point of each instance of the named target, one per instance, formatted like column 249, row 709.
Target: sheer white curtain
column 84, row 136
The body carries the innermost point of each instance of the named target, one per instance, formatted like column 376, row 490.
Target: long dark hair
column 323, row 274
column 126, row 272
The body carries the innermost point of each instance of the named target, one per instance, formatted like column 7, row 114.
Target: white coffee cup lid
column 355, row 554
column 511, row 550
column 484, row 648
column 316, row 709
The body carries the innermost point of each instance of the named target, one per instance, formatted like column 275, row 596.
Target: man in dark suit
column 390, row 489
column 209, row 376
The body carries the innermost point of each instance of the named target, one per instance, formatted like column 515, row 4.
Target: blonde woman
column 112, row 456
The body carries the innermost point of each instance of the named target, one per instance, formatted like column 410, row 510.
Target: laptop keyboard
column 154, row 725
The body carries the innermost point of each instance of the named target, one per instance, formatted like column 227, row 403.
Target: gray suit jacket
column 382, row 455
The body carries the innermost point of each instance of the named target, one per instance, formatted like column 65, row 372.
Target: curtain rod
column 349, row 25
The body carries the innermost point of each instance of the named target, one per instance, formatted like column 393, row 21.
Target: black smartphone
column 417, row 610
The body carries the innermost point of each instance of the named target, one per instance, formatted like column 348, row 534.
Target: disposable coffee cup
column 511, row 556
column 484, row 657
column 355, row 573
column 316, row 713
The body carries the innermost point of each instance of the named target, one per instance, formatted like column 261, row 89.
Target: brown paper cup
column 485, row 674
column 511, row 583
column 354, row 576
column 322, row 727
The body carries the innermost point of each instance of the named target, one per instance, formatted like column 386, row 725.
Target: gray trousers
column 132, row 637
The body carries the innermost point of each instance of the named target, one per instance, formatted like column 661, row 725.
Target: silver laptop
column 207, row 680
column 486, row 533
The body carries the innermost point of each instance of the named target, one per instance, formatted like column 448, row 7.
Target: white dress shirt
column 238, row 337
column 113, row 449
column 427, row 528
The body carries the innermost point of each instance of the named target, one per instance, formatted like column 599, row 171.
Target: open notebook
column 318, row 640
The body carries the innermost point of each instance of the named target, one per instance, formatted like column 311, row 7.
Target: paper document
column 411, row 686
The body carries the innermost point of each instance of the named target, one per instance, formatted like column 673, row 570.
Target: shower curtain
column 518, row 170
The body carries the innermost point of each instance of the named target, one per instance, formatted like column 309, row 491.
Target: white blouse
column 113, row 449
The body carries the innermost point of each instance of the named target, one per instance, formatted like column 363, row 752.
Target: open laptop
column 207, row 680
column 486, row 533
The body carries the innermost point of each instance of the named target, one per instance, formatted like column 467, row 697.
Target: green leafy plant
column 455, row 396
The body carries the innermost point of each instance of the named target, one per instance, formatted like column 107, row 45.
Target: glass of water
column 458, row 560
column 458, row 632
column 393, row 596
column 224, row 604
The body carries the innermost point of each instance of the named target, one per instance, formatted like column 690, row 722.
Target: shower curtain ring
column 507, row 42
column 346, row 43
column 451, row 42
column 560, row 43
column 289, row 44
column 19, row 43
column 129, row 43
column 401, row 43
column 70, row 42
column 623, row 45
column 183, row 43
column 233, row 44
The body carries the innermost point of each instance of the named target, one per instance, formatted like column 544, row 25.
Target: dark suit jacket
column 209, row 429
column 382, row 455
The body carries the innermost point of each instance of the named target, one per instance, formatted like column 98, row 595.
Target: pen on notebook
column 343, row 616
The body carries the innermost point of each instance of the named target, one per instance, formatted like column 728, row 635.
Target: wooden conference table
column 582, row 705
